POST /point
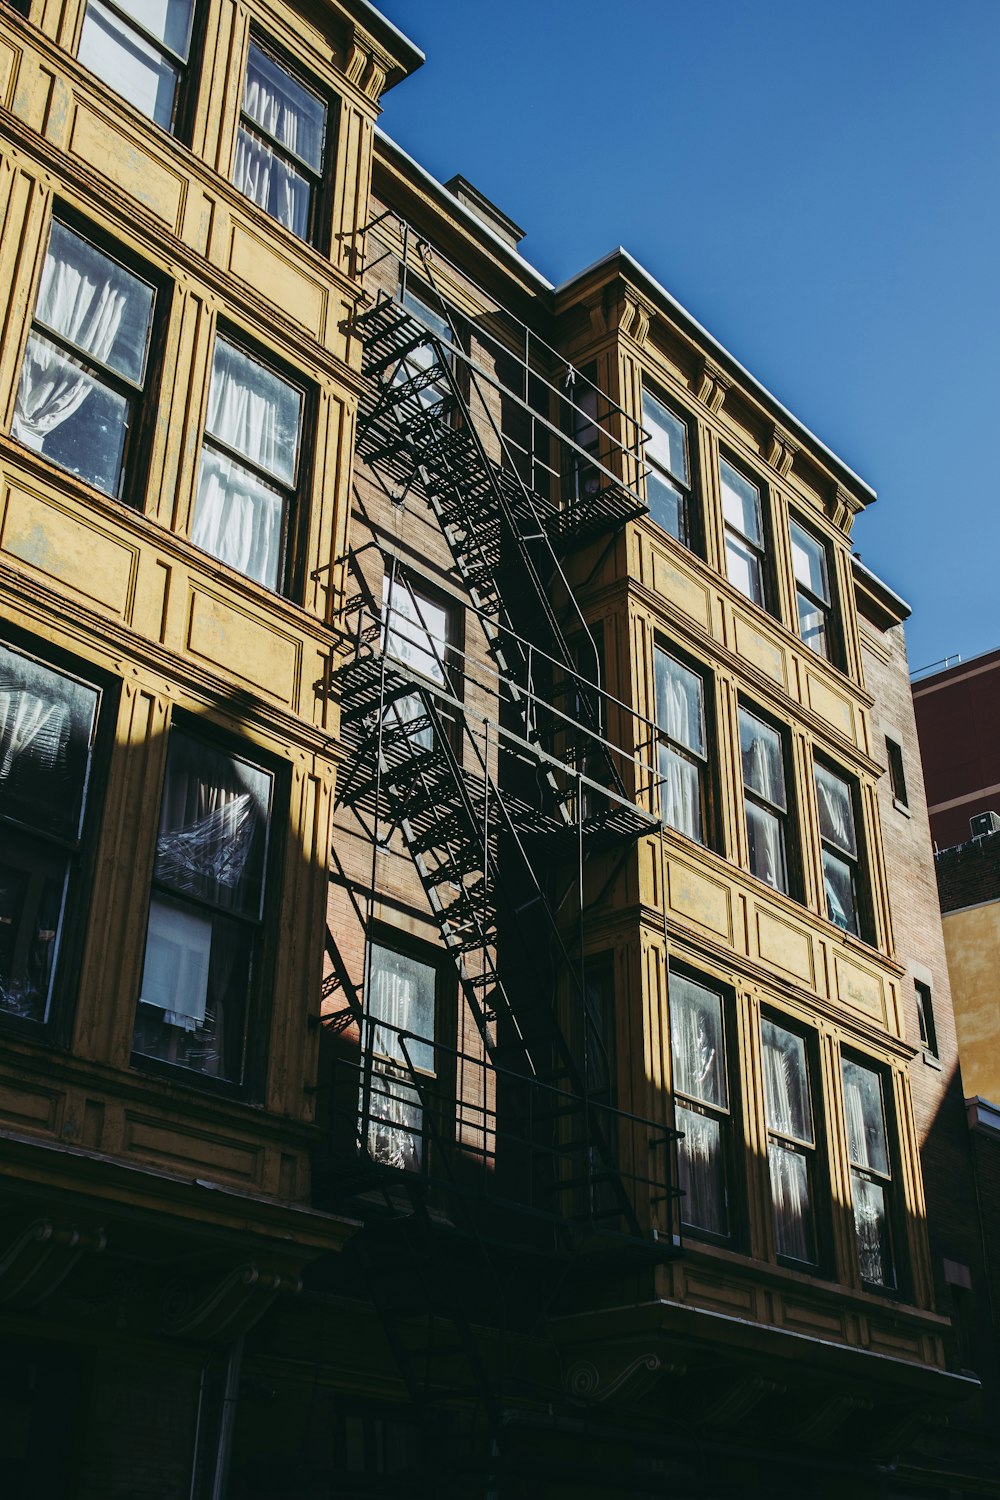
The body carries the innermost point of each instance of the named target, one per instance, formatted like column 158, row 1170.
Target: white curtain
column 28, row 722
column 767, row 844
column 293, row 118
column 679, row 713
column 835, row 813
column 271, row 183
column 237, row 518
column 87, row 310
column 789, row 1170
column 868, row 1151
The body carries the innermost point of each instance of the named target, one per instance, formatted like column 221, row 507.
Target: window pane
column 439, row 325
column 793, row 1232
column 809, row 562
column 741, row 504
column 239, row 519
column 680, row 793
column 866, row 1138
column 286, row 111
column 192, row 1007
column 128, row 64
column 697, row 1045
column 417, row 629
column 402, row 995
column 395, row 1122
column 871, row 1224
column 667, row 506
column 812, row 625
column 680, row 707
column 95, row 304
column 786, row 1083
column 254, row 412
column 667, row 444
column 67, row 415
column 744, row 571
column 841, row 892
column 766, row 838
column 272, row 183
column 836, row 811
column 762, row 760
column 32, row 889
column 169, row 20
column 212, row 841
column 46, row 727
column 702, row 1172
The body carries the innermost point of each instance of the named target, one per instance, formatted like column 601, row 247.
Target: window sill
column 931, row 1061
column 901, row 807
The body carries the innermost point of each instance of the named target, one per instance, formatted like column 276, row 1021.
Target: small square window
column 141, row 48
column 86, row 365
column 281, row 144
column 245, row 508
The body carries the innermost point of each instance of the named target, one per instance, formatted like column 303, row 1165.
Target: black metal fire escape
column 490, row 811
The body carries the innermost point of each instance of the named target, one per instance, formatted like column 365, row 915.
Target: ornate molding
column 231, row 1306
column 41, row 1258
column 842, row 507
column 740, row 1399
column 366, row 67
column 830, row 1413
column 713, row 385
column 635, row 320
column 782, row 450
column 588, row 1383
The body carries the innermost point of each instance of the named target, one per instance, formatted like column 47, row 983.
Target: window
column 249, row 466
column 840, row 849
column 140, row 49
column 791, row 1141
column 668, row 483
column 812, row 590
column 206, row 911
column 402, row 999
column 871, row 1175
column 585, row 478
column 420, row 363
column 418, row 631
column 701, row 1093
column 86, row 362
column 683, row 746
column 22, row 7
column 925, row 1017
column 765, row 799
column 897, row 776
column 47, row 726
column 281, row 144
column 744, row 524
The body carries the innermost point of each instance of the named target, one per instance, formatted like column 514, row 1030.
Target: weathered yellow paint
column 972, row 943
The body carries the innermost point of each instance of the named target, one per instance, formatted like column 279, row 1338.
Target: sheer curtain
column 679, row 713
column 699, row 1074
column 789, row 1171
column 29, row 724
column 868, row 1151
column 87, row 310
column 402, row 999
column 295, row 120
column 762, row 775
column 239, row 518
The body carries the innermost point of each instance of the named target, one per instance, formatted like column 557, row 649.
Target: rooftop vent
column 983, row 824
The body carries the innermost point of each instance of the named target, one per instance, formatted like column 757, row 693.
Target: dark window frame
column 291, row 567
column 926, row 1026
column 705, row 763
column 788, row 818
column 889, row 1182
column 259, row 996
column 142, row 400
column 897, row 772
column 814, row 1152
column 856, row 863
column 453, row 655
column 691, row 532
column 320, row 227
column 763, row 550
column 826, row 607
column 729, row 1117
column 80, row 853
column 187, row 70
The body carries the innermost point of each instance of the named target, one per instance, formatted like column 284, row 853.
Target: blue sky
column 817, row 181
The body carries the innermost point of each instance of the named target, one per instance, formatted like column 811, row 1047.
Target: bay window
column 244, row 508
column 812, row 590
column 668, row 482
column 48, row 721
column 744, row 528
column 682, row 746
column 402, row 999
column 206, row 911
column 140, row 48
column 701, row 1097
column 86, row 362
column 871, row 1171
column 841, row 878
column 281, row 144
column 791, row 1141
column 765, row 799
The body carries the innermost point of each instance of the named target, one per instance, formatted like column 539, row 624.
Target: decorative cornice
column 740, row 1399
column 713, row 385
column 842, row 507
column 617, row 1375
column 635, row 320
column 782, row 450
